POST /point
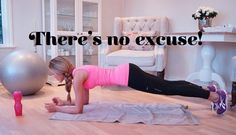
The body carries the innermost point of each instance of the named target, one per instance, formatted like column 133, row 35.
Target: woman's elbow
column 77, row 112
column 86, row 103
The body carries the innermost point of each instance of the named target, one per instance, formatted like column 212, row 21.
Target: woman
column 88, row 76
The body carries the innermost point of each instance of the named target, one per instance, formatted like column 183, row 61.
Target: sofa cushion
column 133, row 46
column 140, row 58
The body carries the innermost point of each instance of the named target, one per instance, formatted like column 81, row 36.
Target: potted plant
column 204, row 16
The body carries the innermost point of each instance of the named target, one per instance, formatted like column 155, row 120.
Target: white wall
column 26, row 16
column 110, row 10
column 185, row 60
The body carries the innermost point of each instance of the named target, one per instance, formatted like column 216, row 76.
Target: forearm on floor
column 68, row 109
column 69, row 103
column 73, row 102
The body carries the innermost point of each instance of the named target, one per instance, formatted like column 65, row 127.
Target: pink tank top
column 98, row 76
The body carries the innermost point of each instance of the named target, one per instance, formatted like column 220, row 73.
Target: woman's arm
column 79, row 91
column 60, row 102
column 80, row 97
column 86, row 97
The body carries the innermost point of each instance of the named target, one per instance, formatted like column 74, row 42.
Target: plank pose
column 88, row 76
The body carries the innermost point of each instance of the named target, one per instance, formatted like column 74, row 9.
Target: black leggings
column 140, row 80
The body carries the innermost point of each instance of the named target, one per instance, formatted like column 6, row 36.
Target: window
column 5, row 24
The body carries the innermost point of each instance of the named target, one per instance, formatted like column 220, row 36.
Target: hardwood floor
column 35, row 118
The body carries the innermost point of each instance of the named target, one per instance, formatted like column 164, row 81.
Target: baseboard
column 52, row 81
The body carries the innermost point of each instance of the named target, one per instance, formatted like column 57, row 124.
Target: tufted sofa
column 152, row 60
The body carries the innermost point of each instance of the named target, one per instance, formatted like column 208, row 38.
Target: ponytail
column 68, row 81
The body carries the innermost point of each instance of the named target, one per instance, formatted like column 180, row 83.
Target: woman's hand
column 58, row 101
column 51, row 107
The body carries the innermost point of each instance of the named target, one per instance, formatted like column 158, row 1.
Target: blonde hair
column 64, row 67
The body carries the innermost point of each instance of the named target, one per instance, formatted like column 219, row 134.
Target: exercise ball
column 24, row 71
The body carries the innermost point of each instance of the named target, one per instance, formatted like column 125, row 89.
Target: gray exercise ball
column 24, row 71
